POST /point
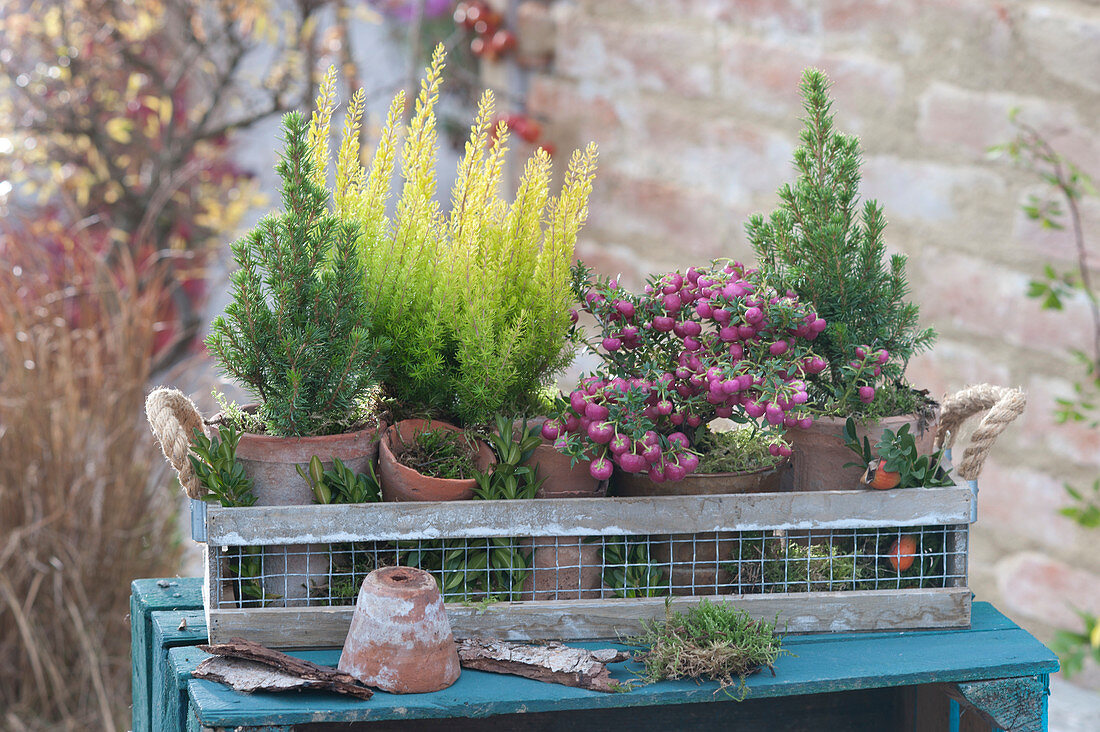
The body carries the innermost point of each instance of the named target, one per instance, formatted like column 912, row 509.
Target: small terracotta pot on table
column 400, row 640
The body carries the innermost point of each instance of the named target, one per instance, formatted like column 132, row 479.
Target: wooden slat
column 957, row 546
column 147, row 597
column 573, row 620
column 322, row 524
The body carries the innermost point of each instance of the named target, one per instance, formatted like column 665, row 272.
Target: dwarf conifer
column 296, row 331
column 822, row 245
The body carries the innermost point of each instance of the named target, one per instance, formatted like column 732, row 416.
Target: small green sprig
column 1074, row 648
column 340, row 484
column 509, row 478
column 214, row 460
column 897, row 453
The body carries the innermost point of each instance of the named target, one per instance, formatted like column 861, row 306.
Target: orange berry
column 878, row 478
column 903, row 552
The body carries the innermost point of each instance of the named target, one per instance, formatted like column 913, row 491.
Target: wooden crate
column 947, row 606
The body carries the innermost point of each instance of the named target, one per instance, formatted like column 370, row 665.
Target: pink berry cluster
column 865, row 367
column 618, row 419
column 714, row 342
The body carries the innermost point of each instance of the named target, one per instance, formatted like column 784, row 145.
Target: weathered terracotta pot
column 563, row 479
column 562, row 568
column 696, row 568
column 698, row 484
column 400, row 640
column 565, row 567
column 819, row 453
column 402, row 483
column 271, row 463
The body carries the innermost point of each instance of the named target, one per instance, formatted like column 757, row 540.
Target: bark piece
column 554, row 663
column 250, row 676
column 313, row 675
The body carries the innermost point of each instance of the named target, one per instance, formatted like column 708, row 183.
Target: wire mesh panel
column 502, row 569
column 594, row 568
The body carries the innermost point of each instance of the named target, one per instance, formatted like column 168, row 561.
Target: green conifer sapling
column 820, row 244
column 296, row 331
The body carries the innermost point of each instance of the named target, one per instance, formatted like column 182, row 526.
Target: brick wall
column 694, row 105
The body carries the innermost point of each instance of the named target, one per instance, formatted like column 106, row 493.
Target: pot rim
column 481, row 449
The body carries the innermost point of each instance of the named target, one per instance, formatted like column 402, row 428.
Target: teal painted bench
column 992, row 676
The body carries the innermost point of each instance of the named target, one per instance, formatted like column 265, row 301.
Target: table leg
column 1014, row 704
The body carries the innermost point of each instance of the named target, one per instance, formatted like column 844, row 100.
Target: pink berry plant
column 712, row 342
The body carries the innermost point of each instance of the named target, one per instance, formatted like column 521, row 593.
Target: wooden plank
column 322, row 524
column 182, row 660
column 146, row 597
column 1010, row 704
column 572, row 620
column 957, row 546
column 871, row 710
column 171, row 629
column 821, row 664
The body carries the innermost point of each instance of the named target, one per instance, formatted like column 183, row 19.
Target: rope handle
column 1004, row 405
column 174, row 419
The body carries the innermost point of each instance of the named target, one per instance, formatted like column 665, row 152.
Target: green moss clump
column 736, row 451
column 813, row 568
column 714, row 641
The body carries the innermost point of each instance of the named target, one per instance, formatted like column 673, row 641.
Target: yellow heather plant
column 476, row 302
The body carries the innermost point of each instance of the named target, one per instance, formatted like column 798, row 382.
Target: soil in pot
column 819, row 453
column 696, row 566
column 288, row 571
column 403, row 483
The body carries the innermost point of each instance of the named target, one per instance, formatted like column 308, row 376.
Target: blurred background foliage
column 118, row 189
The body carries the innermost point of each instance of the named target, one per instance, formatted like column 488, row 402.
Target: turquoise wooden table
column 992, row 676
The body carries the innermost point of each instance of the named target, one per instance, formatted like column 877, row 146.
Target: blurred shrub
column 116, row 121
column 121, row 116
column 79, row 517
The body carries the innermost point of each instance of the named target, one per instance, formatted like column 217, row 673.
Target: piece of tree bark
column 250, row 676
column 553, row 663
column 315, row 676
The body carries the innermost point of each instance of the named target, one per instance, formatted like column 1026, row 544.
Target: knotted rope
column 1004, row 406
column 174, row 419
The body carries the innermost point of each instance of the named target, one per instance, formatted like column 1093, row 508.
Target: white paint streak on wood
column 322, row 524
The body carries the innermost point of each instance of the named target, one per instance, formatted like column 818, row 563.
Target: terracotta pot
column 819, row 453
column 695, row 566
column 271, row 462
column 400, row 640
column 563, row 568
column 402, row 483
column 698, row 484
column 563, row 479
